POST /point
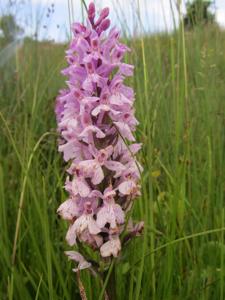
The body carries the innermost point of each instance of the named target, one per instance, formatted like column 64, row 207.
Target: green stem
column 85, row 5
column 111, row 286
column 107, row 281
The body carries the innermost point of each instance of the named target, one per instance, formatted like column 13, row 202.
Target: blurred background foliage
column 180, row 86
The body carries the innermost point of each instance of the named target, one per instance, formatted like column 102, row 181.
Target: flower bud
column 103, row 26
column 91, row 12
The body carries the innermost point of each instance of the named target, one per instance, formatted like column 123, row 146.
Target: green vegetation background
column 180, row 90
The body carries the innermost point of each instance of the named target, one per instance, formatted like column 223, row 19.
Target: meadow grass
column 180, row 87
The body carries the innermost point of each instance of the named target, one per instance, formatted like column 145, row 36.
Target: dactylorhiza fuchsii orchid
column 96, row 121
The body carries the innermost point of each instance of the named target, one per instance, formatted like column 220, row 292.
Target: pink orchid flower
column 96, row 124
column 85, row 221
column 77, row 257
column 110, row 212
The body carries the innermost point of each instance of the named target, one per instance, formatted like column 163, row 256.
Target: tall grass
column 180, row 88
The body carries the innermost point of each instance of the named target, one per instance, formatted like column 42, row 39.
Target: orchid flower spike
column 96, row 123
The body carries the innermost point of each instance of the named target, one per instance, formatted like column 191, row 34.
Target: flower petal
column 70, row 150
column 124, row 130
column 99, row 108
column 80, row 187
column 98, row 175
column 102, row 217
column 127, row 187
column 92, row 227
column 119, row 213
column 68, row 209
column 71, row 235
column 115, row 166
column 76, row 256
column 126, row 69
column 93, row 129
column 112, row 247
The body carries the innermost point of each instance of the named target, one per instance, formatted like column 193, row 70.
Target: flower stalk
column 111, row 285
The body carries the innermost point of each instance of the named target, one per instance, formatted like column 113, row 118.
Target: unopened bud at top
column 91, row 12
column 103, row 14
column 103, row 26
